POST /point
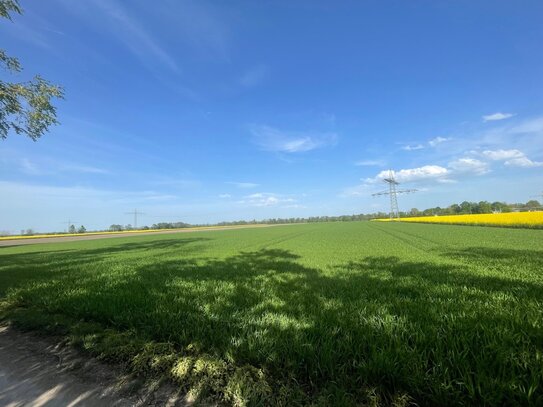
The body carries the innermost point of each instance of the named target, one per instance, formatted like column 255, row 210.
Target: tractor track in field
column 408, row 238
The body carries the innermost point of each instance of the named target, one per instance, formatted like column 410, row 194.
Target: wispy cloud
column 370, row 163
column 84, row 169
column 271, row 139
column 29, row 167
column 49, row 166
column 243, row 185
column 469, row 165
column 225, row 196
column 531, row 126
column 413, row 147
column 27, row 33
column 173, row 182
column 200, row 24
column 254, row 76
column 125, row 28
column 132, row 33
column 497, row 116
column 71, row 194
column 358, row 190
column 266, row 199
column 438, row 140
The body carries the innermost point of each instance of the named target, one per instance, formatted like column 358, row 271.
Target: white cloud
column 225, row 196
column 523, row 162
column 265, row 199
column 512, row 158
column 243, row 185
column 498, row 155
column 438, row 140
column 433, row 173
column 427, row 172
column 497, row 116
column 271, row 139
column 469, row 165
column 370, row 163
column 413, row 147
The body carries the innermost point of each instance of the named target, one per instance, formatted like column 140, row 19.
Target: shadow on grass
column 530, row 259
column 376, row 329
column 33, row 267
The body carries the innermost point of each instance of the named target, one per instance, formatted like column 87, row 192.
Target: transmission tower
column 393, row 194
column 135, row 213
column 68, row 224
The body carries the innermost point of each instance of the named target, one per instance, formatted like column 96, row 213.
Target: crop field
column 348, row 313
column 510, row 219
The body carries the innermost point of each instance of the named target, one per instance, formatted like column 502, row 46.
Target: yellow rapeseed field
column 511, row 219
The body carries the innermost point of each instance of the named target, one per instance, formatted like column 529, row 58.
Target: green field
column 325, row 314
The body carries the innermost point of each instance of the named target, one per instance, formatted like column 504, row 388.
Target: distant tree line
column 311, row 219
column 73, row 229
column 454, row 209
column 474, row 207
column 170, row 225
column 160, row 225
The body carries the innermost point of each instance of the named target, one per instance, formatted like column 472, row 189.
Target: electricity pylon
column 69, row 223
column 135, row 213
column 393, row 194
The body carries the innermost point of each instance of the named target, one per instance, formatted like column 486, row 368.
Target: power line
column 135, row 213
column 69, row 223
column 393, row 194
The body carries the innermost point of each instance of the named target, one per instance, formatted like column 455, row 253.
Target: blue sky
column 208, row 111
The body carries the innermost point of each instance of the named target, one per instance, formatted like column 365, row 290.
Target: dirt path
column 36, row 371
column 17, row 242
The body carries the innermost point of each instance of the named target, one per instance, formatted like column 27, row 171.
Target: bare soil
column 41, row 371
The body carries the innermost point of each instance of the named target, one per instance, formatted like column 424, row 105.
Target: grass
column 338, row 313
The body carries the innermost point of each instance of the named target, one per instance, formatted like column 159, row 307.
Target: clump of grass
column 322, row 314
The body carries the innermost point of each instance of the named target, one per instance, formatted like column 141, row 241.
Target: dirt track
column 18, row 242
column 37, row 371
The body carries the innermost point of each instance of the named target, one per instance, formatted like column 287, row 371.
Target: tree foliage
column 25, row 107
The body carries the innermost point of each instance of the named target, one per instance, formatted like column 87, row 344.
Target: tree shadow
column 528, row 259
column 37, row 266
column 439, row 332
